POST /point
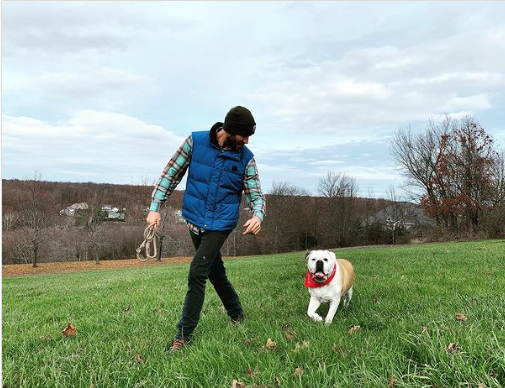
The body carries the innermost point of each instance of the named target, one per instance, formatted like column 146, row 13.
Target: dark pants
column 207, row 264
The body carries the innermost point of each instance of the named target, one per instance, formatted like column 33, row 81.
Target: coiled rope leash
column 148, row 244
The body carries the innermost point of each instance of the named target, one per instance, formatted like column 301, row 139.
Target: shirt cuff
column 155, row 207
column 259, row 215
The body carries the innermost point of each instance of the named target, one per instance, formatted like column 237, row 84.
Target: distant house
column 113, row 213
column 71, row 210
column 110, row 213
column 405, row 215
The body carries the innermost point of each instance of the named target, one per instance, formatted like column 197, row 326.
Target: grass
column 405, row 301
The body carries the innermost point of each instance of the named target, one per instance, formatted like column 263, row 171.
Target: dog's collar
column 310, row 282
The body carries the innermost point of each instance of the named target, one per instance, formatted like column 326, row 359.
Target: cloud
column 48, row 28
column 84, row 82
column 91, row 145
column 389, row 85
column 474, row 103
column 100, row 88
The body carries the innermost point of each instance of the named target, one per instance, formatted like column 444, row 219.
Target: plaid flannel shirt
column 176, row 168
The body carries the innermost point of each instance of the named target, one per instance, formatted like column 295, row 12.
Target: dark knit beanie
column 239, row 121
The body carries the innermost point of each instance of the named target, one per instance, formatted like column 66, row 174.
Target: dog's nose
column 319, row 265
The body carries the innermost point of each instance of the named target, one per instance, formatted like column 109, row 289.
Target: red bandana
column 309, row 282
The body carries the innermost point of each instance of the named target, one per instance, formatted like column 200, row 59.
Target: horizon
column 182, row 190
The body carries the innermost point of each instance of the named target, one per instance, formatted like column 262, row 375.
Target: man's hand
column 253, row 225
column 154, row 218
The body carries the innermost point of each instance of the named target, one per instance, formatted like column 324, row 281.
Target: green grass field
column 405, row 302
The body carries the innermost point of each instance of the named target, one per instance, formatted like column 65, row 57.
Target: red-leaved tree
column 454, row 163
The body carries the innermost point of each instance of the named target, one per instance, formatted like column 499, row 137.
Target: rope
column 148, row 244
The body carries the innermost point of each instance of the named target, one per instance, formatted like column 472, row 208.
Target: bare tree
column 9, row 220
column 340, row 218
column 93, row 224
column 498, row 181
column 286, row 224
column 170, row 240
column 36, row 214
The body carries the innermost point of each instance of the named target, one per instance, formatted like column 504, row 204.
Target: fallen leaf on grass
column 299, row 371
column 460, row 317
column 47, row 337
column 290, row 335
column 127, row 310
column 338, row 348
column 138, row 358
column 288, row 331
column 452, row 348
column 69, row 331
column 277, row 382
column 237, row 384
column 391, row 381
column 301, row 345
column 158, row 310
column 354, row 329
column 252, row 374
column 270, row 345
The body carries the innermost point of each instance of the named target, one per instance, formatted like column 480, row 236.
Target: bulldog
column 328, row 280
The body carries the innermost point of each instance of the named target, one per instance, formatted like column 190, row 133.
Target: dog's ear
column 307, row 255
column 332, row 255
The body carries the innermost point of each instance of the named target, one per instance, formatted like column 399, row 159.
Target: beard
column 232, row 143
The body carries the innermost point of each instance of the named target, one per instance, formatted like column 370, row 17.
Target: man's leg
column 225, row 290
column 208, row 245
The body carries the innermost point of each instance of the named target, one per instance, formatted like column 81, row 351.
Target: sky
column 107, row 91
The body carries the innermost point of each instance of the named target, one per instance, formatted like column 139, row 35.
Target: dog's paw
column 328, row 322
column 317, row 317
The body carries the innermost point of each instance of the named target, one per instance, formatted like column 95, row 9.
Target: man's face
column 235, row 142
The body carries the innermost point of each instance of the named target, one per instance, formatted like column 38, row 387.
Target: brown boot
column 177, row 345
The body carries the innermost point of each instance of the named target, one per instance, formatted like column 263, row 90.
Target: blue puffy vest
column 214, row 185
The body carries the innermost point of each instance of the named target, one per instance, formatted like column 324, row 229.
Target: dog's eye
column 325, row 259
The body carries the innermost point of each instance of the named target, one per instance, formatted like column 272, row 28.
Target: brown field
column 78, row 266
column 9, row 270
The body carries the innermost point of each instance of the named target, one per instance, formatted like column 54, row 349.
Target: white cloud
column 390, row 85
column 473, row 103
column 394, row 63
column 93, row 145
column 80, row 28
column 92, row 88
column 490, row 78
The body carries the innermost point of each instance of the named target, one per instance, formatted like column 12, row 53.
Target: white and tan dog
column 328, row 280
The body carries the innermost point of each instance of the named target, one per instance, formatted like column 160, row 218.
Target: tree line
column 455, row 178
column 34, row 230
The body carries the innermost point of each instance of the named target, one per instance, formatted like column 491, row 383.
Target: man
column 220, row 168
